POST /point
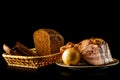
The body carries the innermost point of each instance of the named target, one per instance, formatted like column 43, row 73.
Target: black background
column 75, row 24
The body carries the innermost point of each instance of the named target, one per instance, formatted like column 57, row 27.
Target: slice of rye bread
column 19, row 47
column 8, row 50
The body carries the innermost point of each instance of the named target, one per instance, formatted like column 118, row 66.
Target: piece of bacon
column 97, row 52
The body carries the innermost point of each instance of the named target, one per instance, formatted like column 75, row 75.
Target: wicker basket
column 31, row 61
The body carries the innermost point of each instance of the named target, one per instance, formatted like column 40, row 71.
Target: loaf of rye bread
column 47, row 41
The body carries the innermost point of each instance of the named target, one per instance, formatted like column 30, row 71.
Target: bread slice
column 8, row 50
column 19, row 47
column 47, row 41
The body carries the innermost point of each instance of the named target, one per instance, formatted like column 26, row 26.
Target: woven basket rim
column 29, row 57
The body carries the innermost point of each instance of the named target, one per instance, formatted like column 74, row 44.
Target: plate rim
column 90, row 66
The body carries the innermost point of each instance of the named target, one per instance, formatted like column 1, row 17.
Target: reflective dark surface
column 56, row 72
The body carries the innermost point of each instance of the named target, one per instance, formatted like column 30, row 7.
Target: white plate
column 85, row 65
